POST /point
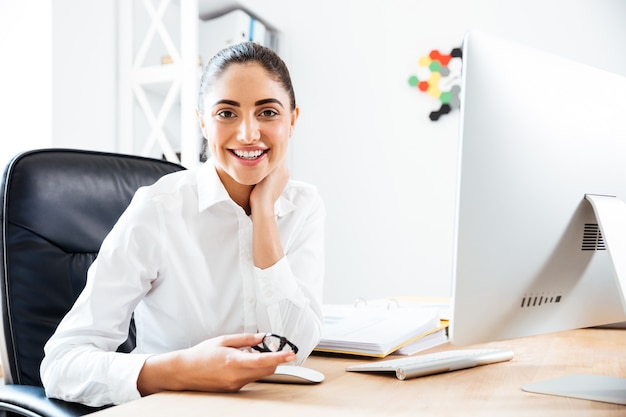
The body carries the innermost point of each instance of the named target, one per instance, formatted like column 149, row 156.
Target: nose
column 248, row 130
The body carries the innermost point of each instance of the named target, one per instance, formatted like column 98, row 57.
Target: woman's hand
column 266, row 245
column 217, row 365
column 265, row 193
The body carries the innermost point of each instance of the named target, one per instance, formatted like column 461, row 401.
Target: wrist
column 262, row 211
column 159, row 373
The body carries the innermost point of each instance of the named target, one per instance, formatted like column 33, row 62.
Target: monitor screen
column 540, row 136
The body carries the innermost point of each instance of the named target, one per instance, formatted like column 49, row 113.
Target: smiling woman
column 246, row 125
column 208, row 260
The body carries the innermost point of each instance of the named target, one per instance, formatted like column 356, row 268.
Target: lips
column 249, row 155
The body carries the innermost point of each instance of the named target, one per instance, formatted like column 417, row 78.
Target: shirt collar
column 211, row 191
column 210, row 188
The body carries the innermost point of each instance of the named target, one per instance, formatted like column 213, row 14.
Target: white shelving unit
column 153, row 96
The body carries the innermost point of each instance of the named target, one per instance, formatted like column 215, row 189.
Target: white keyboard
column 435, row 363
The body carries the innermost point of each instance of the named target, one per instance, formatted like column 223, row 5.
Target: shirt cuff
column 276, row 282
column 125, row 369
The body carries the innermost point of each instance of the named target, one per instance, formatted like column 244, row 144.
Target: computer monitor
column 542, row 148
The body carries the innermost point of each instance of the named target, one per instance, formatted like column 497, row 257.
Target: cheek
column 216, row 134
column 279, row 133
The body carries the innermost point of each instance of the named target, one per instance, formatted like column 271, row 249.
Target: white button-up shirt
column 180, row 258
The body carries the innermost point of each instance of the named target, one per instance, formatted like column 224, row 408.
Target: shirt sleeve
column 81, row 363
column 289, row 293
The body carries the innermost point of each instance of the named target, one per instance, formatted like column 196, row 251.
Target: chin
column 249, row 180
column 248, row 183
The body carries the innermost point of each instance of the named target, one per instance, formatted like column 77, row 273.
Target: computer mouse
column 293, row 374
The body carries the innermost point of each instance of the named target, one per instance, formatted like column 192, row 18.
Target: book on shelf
column 380, row 327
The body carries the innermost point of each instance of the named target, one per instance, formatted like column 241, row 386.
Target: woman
column 208, row 260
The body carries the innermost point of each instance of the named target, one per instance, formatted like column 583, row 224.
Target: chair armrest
column 28, row 400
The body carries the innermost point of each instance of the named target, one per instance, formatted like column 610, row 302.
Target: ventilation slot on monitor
column 592, row 238
column 539, row 300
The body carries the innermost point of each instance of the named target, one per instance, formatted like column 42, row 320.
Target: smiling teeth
column 248, row 154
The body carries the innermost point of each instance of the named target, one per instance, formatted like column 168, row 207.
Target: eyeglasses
column 274, row 343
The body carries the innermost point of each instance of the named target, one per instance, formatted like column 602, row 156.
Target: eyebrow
column 269, row 100
column 256, row 103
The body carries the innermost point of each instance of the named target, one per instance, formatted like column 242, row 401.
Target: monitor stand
column 587, row 387
column 611, row 216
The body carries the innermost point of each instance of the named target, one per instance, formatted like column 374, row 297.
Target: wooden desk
column 492, row 390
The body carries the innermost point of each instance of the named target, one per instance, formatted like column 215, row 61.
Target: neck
column 239, row 193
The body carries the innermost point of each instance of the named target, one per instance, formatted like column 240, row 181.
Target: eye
column 225, row 114
column 268, row 113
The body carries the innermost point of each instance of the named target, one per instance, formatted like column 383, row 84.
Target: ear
column 201, row 121
column 294, row 117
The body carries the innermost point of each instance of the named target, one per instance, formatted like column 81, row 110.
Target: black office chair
column 57, row 207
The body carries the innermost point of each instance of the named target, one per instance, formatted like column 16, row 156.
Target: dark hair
column 244, row 53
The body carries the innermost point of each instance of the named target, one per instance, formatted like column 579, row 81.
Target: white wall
column 25, row 76
column 386, row 172
column 84, row 74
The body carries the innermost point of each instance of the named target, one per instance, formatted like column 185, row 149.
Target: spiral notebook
column 376, row 328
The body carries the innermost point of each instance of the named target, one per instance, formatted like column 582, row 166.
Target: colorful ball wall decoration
column 439, row 76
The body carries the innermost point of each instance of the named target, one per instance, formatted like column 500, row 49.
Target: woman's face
column 247, row 122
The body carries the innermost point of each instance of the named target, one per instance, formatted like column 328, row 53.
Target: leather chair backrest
column 57, row 207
